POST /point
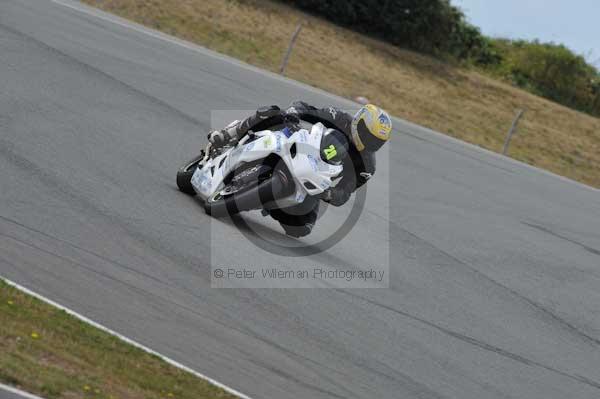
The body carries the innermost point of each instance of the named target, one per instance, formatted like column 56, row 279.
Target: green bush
column 431, row 26
column 552, row 71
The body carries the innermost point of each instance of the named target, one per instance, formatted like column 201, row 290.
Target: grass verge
column 448, row 98
column 45, row 351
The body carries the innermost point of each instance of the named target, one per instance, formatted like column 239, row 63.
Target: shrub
column 431, row 26
column 552, row 71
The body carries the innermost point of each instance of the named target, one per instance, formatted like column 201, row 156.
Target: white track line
column 124, row 338
column 18, row 392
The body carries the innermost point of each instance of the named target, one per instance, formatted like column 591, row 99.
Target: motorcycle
column 264, row 170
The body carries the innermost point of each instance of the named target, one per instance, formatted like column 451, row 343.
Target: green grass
column 45, row 351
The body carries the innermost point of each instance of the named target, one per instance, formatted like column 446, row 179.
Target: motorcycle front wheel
column 185, row 173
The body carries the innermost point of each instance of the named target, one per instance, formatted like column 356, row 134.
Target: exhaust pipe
column 276, row 187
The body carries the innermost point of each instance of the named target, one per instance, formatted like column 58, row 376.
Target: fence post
column 290, row 47
column 512, row 131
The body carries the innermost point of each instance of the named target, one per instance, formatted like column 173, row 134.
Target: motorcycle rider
column 353, row 142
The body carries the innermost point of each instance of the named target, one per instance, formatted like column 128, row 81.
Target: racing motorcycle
column 264, row 170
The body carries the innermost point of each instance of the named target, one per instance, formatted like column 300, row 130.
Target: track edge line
column 123, row 338
column 18, row 392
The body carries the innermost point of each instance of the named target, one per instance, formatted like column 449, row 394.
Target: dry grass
column 460, row 102
column 47, row 352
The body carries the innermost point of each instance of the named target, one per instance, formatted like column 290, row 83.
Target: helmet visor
column 369, row 140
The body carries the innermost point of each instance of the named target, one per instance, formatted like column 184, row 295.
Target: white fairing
column 307, row 167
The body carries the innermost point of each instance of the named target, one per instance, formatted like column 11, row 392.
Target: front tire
column 185, row 173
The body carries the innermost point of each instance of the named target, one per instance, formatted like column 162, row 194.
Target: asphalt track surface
column 7, row 392
column 495, row 266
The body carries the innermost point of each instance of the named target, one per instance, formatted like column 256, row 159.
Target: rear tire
column 185, row 173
